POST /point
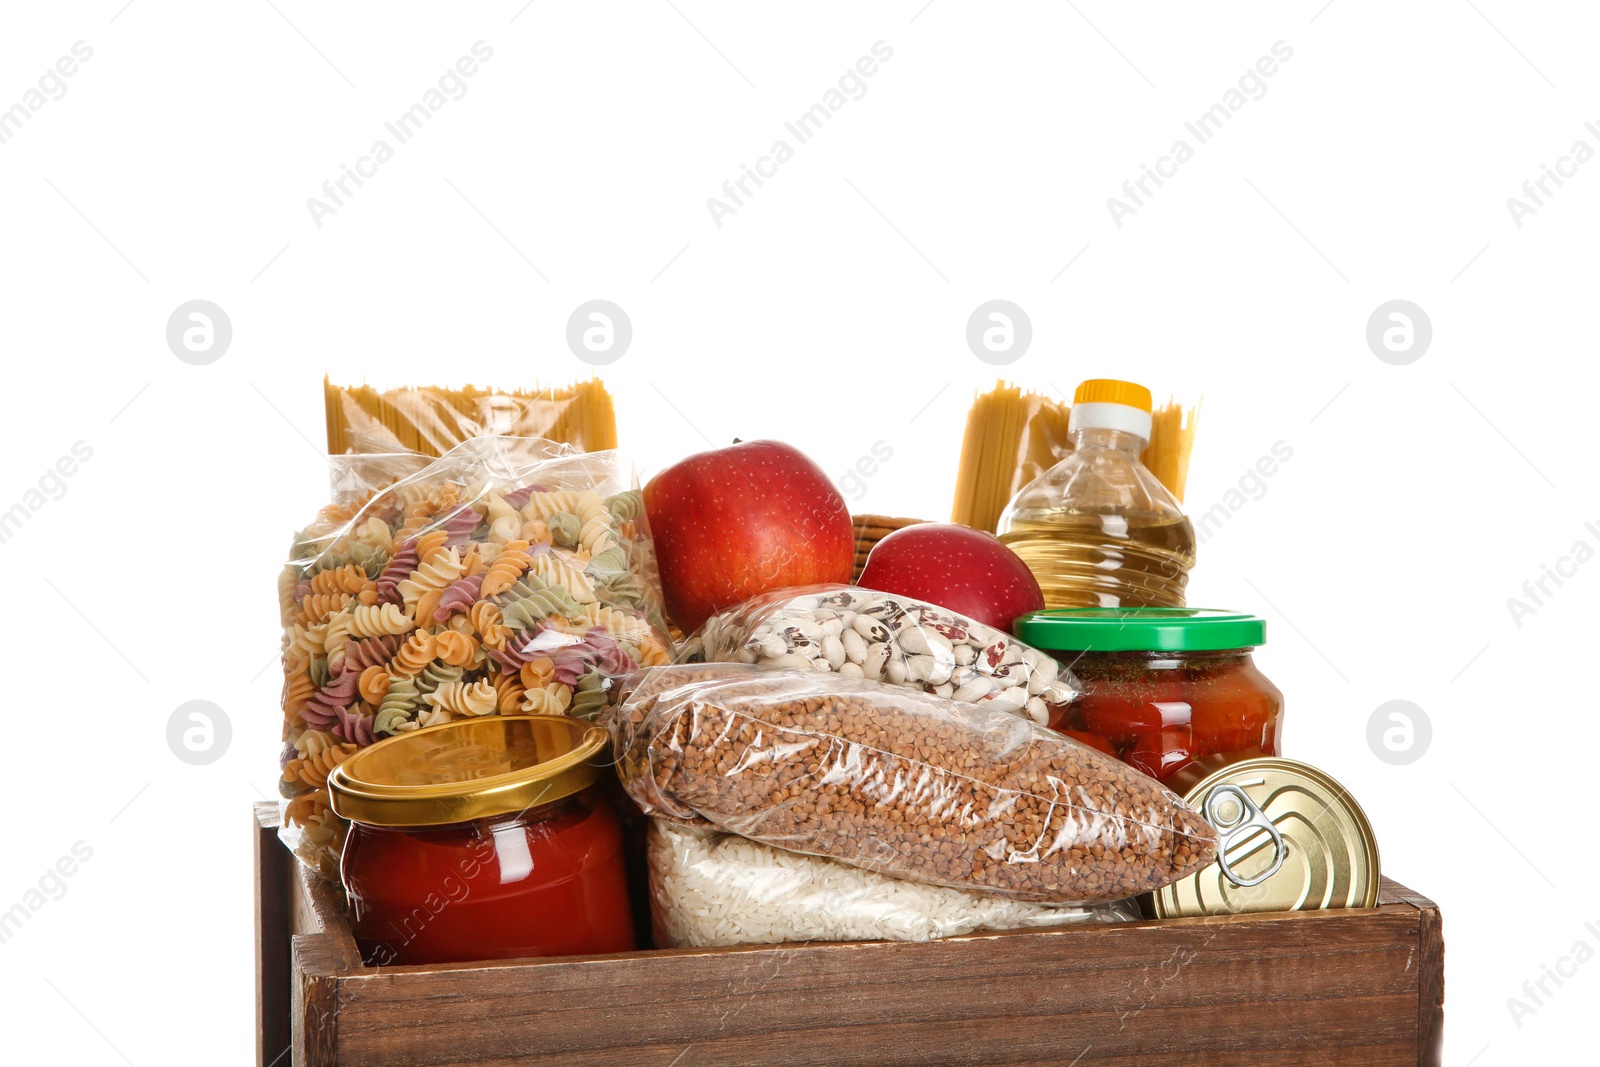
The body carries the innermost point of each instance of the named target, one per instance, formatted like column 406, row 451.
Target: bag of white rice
column 709, row 888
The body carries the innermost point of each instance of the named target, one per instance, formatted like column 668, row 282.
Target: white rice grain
column 711, row 889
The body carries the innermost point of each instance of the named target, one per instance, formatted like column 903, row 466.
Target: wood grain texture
column 313, row 950
column 1312, row 988
column 316, row 1007
column 1430, row 964
column 324, row 955
column 272, row 863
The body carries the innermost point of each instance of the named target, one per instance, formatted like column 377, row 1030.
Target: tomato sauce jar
column 483, row 839
column 1162, row 687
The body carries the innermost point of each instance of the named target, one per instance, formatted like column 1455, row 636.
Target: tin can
column 1292, row 839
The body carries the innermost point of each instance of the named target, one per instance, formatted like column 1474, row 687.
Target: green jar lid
column 1140, row 630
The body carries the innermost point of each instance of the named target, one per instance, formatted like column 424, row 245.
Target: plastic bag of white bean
column 862, row 633
column 709, row 888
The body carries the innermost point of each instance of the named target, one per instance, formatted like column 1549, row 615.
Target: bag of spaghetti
column 508, row 576
column 885, row 637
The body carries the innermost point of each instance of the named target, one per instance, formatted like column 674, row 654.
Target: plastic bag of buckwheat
column 909, row 784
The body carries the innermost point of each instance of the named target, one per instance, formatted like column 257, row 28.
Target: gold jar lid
column 468, row 769
column 1293, row 839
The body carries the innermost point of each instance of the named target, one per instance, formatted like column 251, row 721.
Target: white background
column 828, row 311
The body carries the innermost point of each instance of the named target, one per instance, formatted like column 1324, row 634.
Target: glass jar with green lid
column 1163, row 687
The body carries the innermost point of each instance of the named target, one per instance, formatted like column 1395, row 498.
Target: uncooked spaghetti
column 432, row 420
column 1013, row 436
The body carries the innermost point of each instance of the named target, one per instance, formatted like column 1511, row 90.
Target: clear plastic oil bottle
column 1098, row 529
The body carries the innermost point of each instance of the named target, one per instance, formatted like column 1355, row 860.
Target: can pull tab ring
column 1232, row 812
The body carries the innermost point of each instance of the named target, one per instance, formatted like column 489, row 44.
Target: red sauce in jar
column 483, row 839
column 1162, row 687
column 1160, row 711
column 549, row 882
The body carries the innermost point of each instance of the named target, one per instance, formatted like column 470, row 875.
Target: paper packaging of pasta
column 908, row 784
column 711, row 889
column 862, row 633
column 508, row 576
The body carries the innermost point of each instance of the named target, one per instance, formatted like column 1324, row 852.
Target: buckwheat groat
column 906, row 783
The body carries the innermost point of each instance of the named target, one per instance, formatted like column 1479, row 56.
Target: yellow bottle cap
column 1112, row 391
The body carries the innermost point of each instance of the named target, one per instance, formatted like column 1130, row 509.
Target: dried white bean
column 1044, row 673
column 915, row 641
column 1012, row 699
column 974, row 690
column 1058, row 693
column 833, row 651
column 990, row 656
column 920, row 668
column 876, row 662
column 870, row 628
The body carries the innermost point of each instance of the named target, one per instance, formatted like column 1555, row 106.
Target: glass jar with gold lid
column 483, row 839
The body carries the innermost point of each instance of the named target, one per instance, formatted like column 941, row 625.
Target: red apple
column 955, row 567
column 736, row 522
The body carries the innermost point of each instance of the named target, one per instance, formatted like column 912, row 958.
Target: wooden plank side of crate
column 1430, row 970
column 317, row 949
column 272, row 864
column 1359, row 987
column 1239, row 990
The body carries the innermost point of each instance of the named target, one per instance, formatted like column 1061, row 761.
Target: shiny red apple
column 955, row 567
column 736, row 522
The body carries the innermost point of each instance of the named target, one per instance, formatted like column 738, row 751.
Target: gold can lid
column 468, row 769
column 1292, row 839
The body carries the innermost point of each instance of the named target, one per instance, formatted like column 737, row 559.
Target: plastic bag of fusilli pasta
column 510, row 575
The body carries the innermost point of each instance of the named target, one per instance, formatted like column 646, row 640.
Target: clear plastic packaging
column 711, row 889
column 431, row 420
column 862, row 633
column 901, row 782
column 508, row 576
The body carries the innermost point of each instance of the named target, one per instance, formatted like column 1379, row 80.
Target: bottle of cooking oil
column 1098, row 529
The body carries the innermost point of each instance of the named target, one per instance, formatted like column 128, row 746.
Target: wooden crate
column 1319, row 989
